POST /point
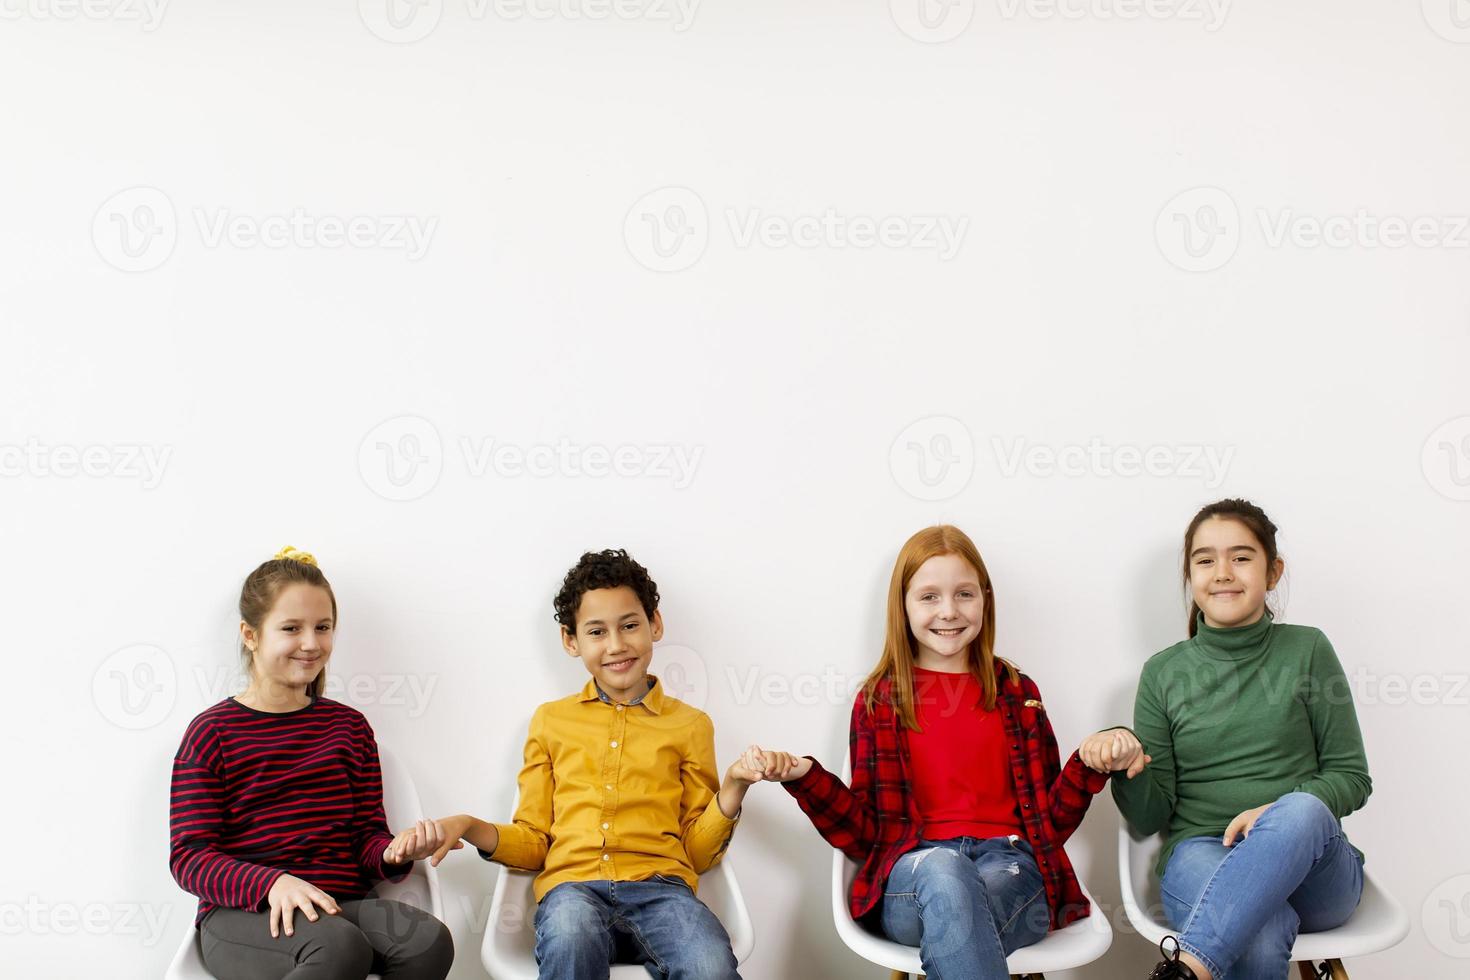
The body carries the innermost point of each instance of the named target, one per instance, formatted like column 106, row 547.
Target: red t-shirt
column 958, row 760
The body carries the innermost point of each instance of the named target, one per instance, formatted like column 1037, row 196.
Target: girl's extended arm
column 1147, row 802
column 845, row 816
column 1070, row 788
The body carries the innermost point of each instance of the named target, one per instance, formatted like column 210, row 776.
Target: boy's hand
column 749, row 768
column 455, row 828
column 423, row 839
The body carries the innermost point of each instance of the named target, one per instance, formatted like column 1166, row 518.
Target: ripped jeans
column 967, row 904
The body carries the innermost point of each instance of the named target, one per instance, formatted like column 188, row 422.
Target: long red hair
column 897, row 662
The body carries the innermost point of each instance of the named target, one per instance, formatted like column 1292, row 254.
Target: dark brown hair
column 1230, row 509
column 264, row 586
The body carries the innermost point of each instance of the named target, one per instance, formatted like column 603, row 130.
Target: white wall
column 523, row 150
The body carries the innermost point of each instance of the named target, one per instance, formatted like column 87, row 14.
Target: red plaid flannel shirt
column 876, row 821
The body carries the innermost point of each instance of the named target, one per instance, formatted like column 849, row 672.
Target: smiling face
column 294, row 640
column 945, row 605
column 1229, row 573
column 614, row 638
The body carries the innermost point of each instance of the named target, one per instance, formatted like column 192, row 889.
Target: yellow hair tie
column 289, row 553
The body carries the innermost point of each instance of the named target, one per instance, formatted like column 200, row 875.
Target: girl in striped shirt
column 276, row 811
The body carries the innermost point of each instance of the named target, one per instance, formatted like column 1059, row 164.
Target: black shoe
column 1171, row 968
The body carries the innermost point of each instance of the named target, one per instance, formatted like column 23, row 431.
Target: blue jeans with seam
column 1238, row 909
column 583, row 927
column 967, row 903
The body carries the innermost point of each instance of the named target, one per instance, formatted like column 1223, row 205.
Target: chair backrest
column 844, row 870
column 402, row 806
column 1137, row 863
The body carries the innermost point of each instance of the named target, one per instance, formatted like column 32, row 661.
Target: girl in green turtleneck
column 1255, row 758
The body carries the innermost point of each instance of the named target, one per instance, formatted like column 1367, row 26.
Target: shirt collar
column 652, row 699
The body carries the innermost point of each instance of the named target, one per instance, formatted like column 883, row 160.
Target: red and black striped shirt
column 258, row 794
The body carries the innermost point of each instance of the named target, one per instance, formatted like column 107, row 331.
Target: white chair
column 1065, row 949
column 509, row 950
column 420, row 889
column 1378, row 924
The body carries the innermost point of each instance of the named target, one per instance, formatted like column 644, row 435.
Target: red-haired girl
column 959, row 804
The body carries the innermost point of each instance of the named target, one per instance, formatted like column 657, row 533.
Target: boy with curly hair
column 620, row 806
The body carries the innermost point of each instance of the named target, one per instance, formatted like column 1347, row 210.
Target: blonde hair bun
column 289, row 553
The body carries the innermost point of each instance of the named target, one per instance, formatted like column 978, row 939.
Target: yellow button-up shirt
column 617, row 792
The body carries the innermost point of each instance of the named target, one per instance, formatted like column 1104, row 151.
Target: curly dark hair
column 606, row 569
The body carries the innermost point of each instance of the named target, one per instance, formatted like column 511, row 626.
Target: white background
column 284, row 388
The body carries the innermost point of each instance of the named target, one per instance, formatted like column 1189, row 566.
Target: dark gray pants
column 394, row 940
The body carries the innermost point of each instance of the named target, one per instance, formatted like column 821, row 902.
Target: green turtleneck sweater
column 1235, row 719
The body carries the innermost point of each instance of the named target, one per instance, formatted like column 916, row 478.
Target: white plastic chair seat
column 509, row 951
column 1068, row 948
column 1379, row 922
column 1065, row 949
column 420, row 889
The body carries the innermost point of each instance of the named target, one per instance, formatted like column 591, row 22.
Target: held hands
column 455, row 828
column 771, row 766
column 754, row 765
column 423, row 839
column 287, row 895
column 1242, row 825
column 749, row 768
column 1115, row 750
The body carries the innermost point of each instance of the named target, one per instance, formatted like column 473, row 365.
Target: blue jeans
column 1238, row 909
column 967, row 904
column 583, row 927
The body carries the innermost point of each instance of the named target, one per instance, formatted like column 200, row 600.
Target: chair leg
column 1306, row 969
column 1339, row 972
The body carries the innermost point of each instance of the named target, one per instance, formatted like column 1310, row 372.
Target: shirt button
column 620, row 707
column 605, row 826
column 615, row 745
column 608, row 786
column 606, row 857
